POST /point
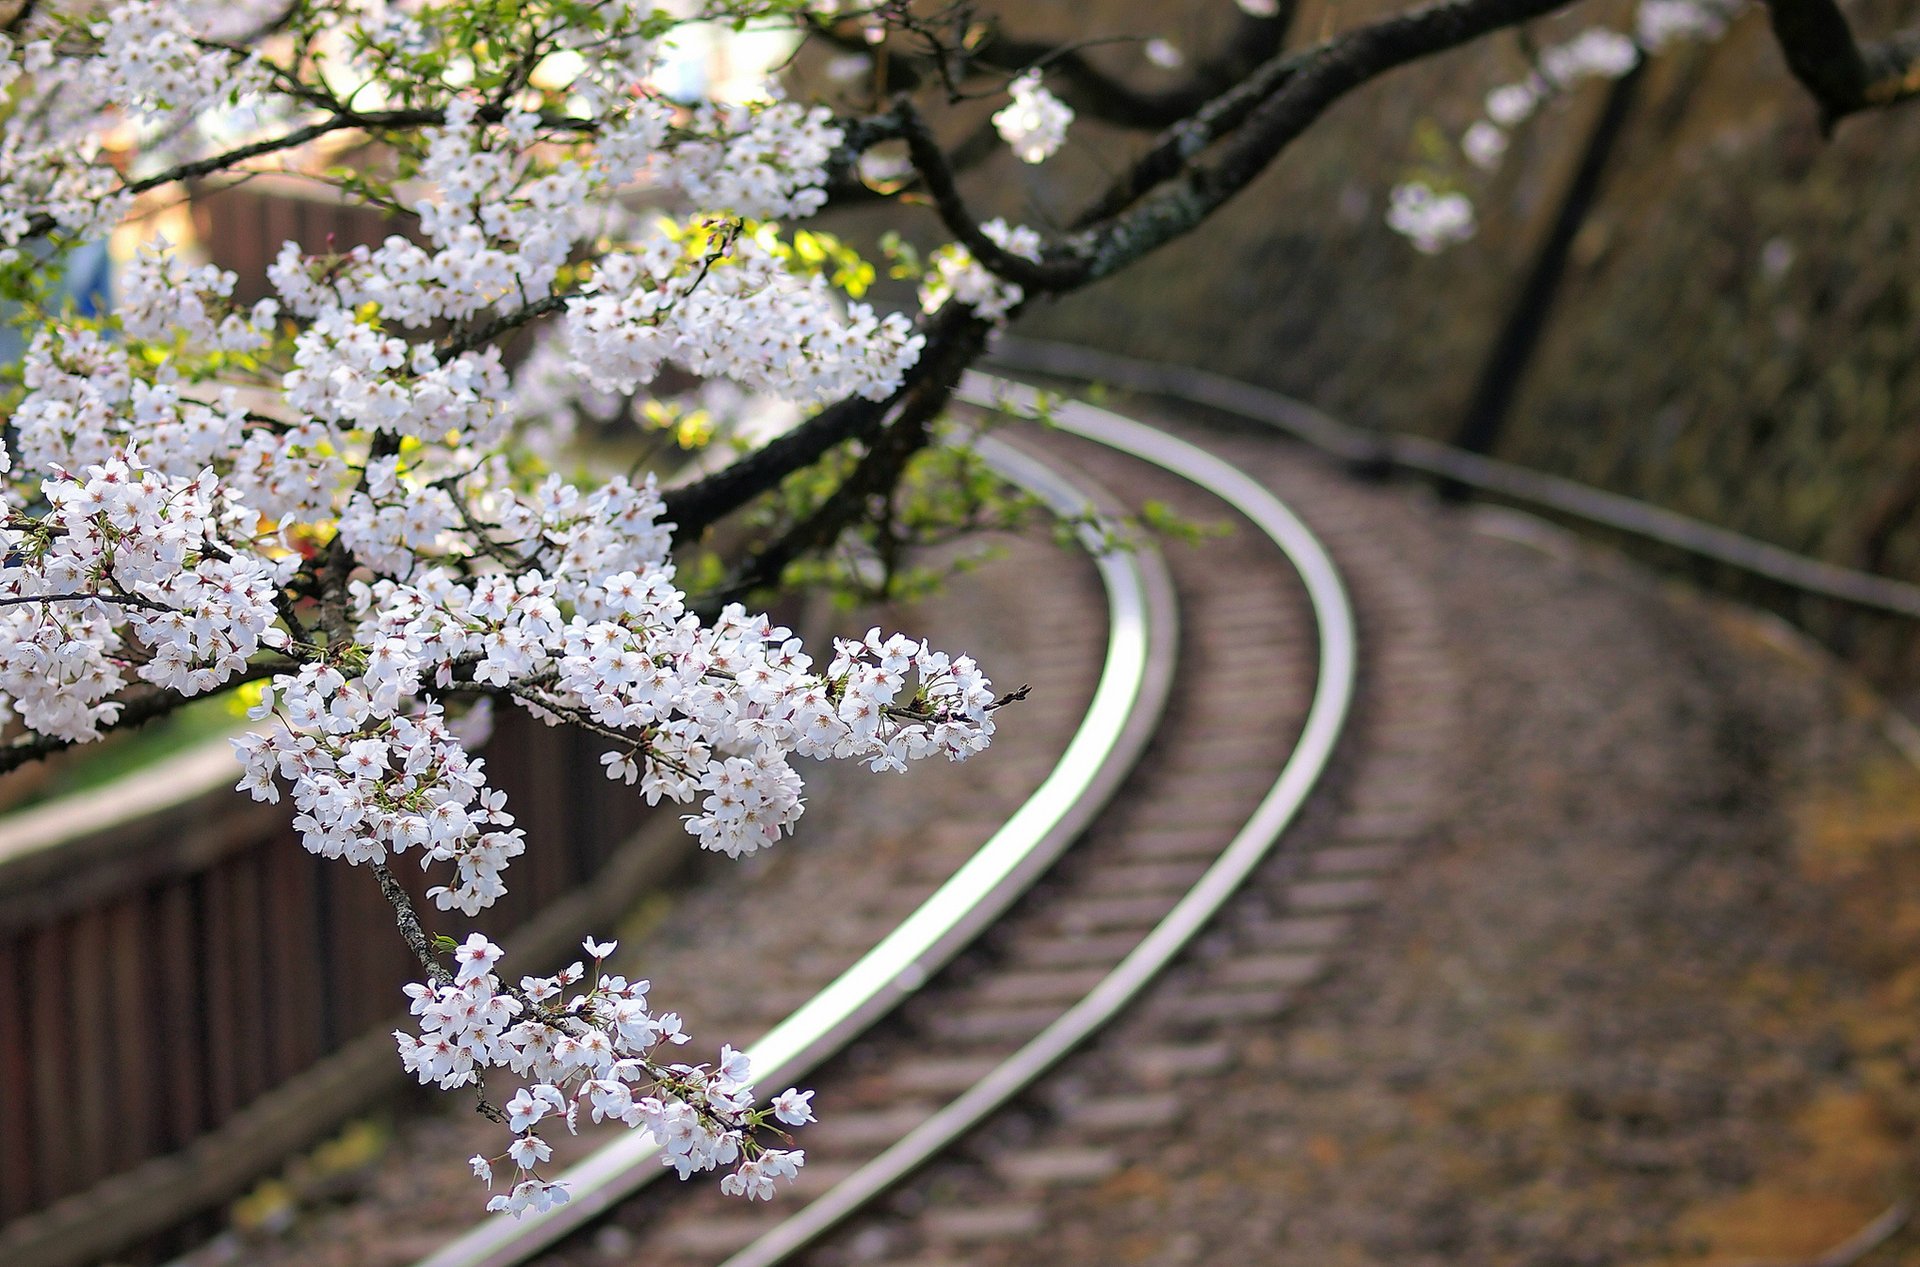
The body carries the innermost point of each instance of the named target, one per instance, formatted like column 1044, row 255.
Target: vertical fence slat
column 137, row 1133
column 289, row 901
column 252, row 1030
column 16, row 1104
column 217, row 994
column 355, row 953
column 174, row 1006
column 47, row 979
column 89, row 1054
column 323, row 973
column 546, row 755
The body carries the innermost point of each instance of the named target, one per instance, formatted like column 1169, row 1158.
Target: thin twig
column 119, row 600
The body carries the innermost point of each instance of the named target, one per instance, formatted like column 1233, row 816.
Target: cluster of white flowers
column 135, row 559
column 326, row 492
column 1035, row 122
column 1429, row 218
column 713, row 711
column 144, row 66
column 154, row 53
column 760, row 163
column 368, row 780
column 591, row 1051
column 1659, row 23
column 957, row 276
column 1433, row 220
column 83, row 199
column 746, row 319
column 349, row 373
column 498, row 236
column 161, row 299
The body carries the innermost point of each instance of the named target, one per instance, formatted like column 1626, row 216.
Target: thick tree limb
column 877, row 472
column 1324, row 75
column 1844, row 76
column 938, row 177
column 954, row 338
column 1251, row 125
column 844, row 185
column 22, row 14
column 1077, row 80
column 1259, row 119
column 1179, row 144
column 1093, row 92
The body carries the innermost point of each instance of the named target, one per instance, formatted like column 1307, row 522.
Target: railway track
column 1010, row 999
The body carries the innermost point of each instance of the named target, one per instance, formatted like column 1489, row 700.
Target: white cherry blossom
column 1035, row 122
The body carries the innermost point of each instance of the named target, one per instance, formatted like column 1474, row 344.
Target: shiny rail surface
column 1125, row 710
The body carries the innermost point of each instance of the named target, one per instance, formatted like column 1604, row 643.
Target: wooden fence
column 168, row 971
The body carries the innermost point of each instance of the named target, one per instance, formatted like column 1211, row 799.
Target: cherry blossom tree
column 343, row 497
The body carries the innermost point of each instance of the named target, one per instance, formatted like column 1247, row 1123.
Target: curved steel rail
column 1326, row 718
column 1126, row 707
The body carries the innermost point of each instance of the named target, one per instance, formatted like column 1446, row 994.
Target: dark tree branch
column 857, row 136
column 273, row 25
column 953, row 338
column 1258, row 120
column 845, row 186
column 480, row 336
column 875, row 476
column 1181, row 143
column 40, row 223
column 695, row 507
column 1166, row 195
column 1093, row 92
column 117, row 600
column 931, row 162
column 1079, row 82
column 1844, row 76
column 1323, row 75
column 21, row 16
